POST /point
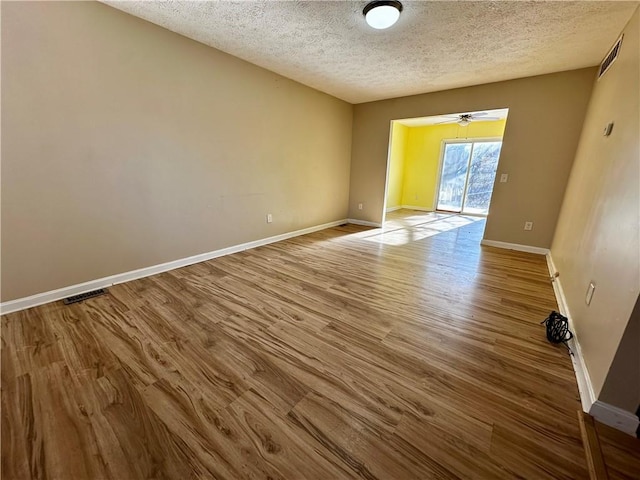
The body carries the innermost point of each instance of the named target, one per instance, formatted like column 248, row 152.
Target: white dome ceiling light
column 382, row 14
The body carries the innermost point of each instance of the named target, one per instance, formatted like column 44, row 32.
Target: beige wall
column 597, row 238
column 545, row 120
column 125, row 145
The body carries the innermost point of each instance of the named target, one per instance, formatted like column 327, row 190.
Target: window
column 467, row 176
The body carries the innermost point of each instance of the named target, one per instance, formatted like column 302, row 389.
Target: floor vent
column 84, row 296
column 610, row 58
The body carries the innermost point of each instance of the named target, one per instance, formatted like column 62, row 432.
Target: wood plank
column 620, row 451
column 593, row 453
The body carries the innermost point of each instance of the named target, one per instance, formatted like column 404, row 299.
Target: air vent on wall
column 610, row 58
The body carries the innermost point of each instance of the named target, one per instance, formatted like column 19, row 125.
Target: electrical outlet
column 590, row 290
column 504, row 177
column 359, row 206
column 528, row 225
column 269, row 218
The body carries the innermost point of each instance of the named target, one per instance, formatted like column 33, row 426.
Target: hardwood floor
column 621, row 453
column 411, row 353
column 611, row 454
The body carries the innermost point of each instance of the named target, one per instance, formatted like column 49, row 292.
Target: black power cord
column 558, row 329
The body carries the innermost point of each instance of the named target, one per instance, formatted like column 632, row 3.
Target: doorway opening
column 443, row 165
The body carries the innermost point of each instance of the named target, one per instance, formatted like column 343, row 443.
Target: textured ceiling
column 434, row 46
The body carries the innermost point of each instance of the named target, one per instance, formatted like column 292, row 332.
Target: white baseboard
column 414, row 207
column 53, row 295
column 585, row 387
column 363, row 223
column 393, row 209
column 615, row 417
column 515, row 246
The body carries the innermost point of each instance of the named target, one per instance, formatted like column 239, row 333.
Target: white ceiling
column 434, row 46
column 500, row 113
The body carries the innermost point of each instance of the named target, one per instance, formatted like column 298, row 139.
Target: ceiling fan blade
column 453, row 120
column 479, row 114
column 487, row 118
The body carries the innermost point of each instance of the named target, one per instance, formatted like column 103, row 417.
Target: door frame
column 441, row 162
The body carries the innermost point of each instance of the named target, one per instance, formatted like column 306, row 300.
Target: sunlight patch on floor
column 402, row 235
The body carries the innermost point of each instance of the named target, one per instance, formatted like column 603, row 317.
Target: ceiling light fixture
column 381, row 14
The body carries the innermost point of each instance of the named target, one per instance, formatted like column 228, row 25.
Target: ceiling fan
column 464, row 119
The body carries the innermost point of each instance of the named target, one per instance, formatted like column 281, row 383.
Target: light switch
column 504, row 177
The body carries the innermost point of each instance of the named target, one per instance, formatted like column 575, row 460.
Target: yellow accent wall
column 397, row 155
column 421, row 147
